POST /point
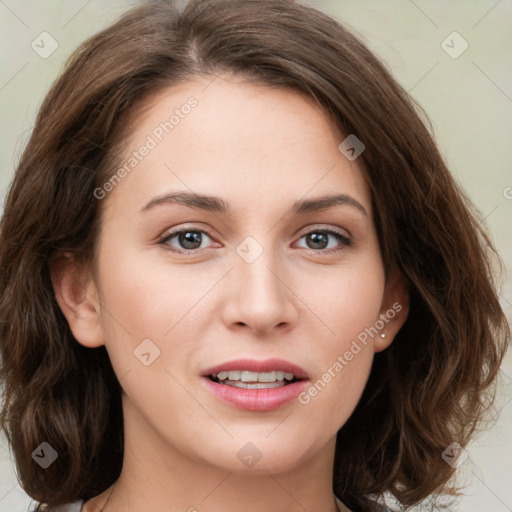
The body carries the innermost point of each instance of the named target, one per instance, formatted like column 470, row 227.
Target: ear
column 78, row 299
column 394, row 309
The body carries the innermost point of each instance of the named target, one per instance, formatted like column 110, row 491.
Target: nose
column 259, row 297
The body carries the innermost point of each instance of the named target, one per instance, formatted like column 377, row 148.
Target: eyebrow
column 218, row 205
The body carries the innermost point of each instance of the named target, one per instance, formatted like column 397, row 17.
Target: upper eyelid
column 310, row 229
column 320, row 227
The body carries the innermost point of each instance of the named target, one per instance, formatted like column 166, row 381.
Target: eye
column 318, row 240
column 188, row 239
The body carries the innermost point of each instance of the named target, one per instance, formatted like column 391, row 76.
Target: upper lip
column 253, row 365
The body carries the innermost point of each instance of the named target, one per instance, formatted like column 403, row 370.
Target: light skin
column 260, row 150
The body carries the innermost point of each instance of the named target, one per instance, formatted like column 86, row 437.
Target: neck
column 157, row 477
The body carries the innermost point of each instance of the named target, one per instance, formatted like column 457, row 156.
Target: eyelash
column 345, row 241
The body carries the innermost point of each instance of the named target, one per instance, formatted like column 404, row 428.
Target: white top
column 76, row 506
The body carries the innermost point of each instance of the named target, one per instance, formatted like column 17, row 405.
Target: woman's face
column 269, row 268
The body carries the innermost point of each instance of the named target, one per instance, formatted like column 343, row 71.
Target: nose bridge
column 263, row 299
column 257, row 266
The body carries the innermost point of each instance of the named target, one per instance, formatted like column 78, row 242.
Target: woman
column 237, row 274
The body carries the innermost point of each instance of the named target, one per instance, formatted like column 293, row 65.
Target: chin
column 260, row 456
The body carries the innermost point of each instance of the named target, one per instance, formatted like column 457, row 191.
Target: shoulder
column 76, row 506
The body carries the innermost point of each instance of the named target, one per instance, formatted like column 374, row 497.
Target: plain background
column 468, row 100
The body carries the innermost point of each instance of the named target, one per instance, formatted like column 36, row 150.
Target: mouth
column 256, row 385
column 246, row 379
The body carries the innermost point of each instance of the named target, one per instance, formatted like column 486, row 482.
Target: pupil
column 319, row 239
column 190, row 237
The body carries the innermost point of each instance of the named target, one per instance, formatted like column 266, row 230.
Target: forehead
column 249, row 143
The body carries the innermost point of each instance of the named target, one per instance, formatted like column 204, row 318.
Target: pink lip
column 252, row 365
column 256, row 399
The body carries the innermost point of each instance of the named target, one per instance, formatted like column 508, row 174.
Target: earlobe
column 394, row 309
column 78, row 300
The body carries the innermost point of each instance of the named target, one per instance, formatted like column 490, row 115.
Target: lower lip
column 256, row 399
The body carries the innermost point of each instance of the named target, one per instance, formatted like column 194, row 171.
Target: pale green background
column 468, row 99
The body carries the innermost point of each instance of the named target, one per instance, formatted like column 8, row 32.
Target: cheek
column 346, row 300
column 145, row 298
column 343, row 363
column 147, row 315
column 349, row 306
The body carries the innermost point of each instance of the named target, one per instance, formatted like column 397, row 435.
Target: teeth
column 248, row 376
column 253, row 377
column 255, row 385
column 265, row 377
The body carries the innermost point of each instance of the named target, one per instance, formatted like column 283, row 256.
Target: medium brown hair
column 428, row 389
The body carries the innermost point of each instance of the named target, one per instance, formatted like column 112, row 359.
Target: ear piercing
column 382, row 335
